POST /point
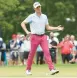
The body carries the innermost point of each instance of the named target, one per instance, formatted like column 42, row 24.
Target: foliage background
column 13, row 12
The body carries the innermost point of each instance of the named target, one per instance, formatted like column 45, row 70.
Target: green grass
column 39, row 71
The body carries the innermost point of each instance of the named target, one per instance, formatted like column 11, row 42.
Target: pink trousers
column 42, row 41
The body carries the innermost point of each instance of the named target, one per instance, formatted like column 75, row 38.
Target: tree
column 5, row 24
column 58, row 11
column 13, row 12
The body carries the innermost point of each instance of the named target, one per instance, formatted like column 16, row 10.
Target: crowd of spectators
column 17, row 50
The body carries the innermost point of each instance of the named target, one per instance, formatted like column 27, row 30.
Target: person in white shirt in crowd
column 38, row 22
column 74, row 49
column 27, row 47
column 53, row 42
column 54, row 37
column 21, row 49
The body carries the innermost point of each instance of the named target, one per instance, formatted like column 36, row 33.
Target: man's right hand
column 28, row 33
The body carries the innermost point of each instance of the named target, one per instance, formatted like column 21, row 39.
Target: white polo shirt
column 37, row 23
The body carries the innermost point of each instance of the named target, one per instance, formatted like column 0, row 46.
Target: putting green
column 39, row 71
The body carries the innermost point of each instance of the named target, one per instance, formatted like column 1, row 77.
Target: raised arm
column 54, row 28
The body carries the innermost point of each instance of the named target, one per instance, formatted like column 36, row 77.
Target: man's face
column 38, row 9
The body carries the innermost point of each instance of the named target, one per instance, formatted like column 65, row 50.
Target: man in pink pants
column 38, row 22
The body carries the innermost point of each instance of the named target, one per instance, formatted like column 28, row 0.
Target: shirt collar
column 37, row 15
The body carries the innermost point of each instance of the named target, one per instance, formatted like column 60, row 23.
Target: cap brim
column 37, row 6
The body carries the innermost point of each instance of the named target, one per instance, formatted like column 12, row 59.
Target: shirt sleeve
column 46, row 23
column 28, row 19
column 4, row 46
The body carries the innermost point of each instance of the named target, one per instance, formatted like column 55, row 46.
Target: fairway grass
column 39, row 71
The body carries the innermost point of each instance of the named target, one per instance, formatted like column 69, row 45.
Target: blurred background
column 59, row 12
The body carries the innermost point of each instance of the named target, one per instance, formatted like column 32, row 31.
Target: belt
column 39, row 34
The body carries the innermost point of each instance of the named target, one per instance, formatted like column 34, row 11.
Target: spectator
column 39, row 56
column 21, row 49
column 53, row 41
column 54, row 37
column 66, row 48
column 3, row 51
column 74, row 49
column 27, row 47
column 14, row 45
column 1, row 42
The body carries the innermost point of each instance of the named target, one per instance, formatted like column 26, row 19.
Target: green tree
column 58, row 11
column 13, row 12
column 5, row 17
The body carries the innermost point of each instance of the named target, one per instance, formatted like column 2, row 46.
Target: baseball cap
column 36, row 4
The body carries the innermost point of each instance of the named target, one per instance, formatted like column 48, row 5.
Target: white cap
column 1, row 39
column 36, row 4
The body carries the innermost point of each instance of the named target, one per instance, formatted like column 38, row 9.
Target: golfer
column 38, row 22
